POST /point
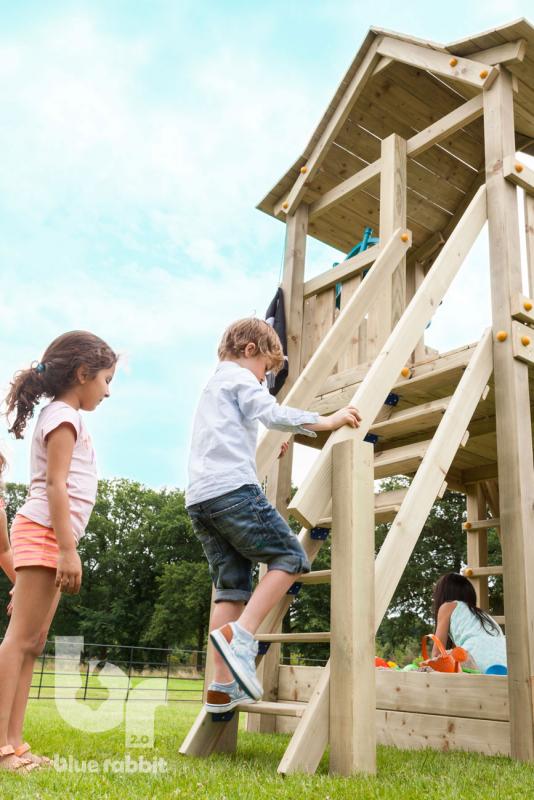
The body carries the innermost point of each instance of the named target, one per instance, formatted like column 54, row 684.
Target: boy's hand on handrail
column 345, row 416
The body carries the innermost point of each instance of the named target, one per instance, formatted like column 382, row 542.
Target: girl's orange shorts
column 32, row 544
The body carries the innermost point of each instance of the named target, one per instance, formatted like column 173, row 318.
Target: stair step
column 387, row 505
column 316, row 577
column 481, row 524
column 293, row 637
column 412, row 420
column 400, row 460
column 266, row 707
column 481, row 572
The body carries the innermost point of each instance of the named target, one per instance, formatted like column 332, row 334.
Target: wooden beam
column 352, row 647
column 310, row 740
column 518, row 173
column 523, row 342
column 387, row 309
column 446, row 126
column 407, row 525
column 513, row 418
column 504, row 54
column 314, row 493
column 523, row 309
column 529, row 241
column 345, row 270
column 327, row 354
column 337, row 120
column 343, row 190
column 465, row 70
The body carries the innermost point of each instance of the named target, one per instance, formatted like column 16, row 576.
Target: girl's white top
column 467, row 631
column 225, row 431
column 82, row 480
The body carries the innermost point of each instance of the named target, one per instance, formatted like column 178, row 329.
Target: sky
column 136, row 140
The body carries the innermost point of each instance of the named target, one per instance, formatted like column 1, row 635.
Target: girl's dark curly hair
column 55, row 373
column 454, row 586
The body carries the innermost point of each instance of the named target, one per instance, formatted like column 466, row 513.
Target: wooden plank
column 345, row 269
column 420, row 418
column 473, row 524
column 345, row 189
column 352, row 648
column 273, row 709
column 477, row 543
column 335, row 122
column 327, row 354
column 518, row 173
column 407, row 525
column 356, row 345
column 485, row 697
column 514, row 434
column 316, row 577
column 470, row 696
column 207, row 736
column 400, row 460
column 464, row 70
column 446, row 126
column 314, row 493
column 409, row 731
column 523, row 342
column 310, row 740
column 529, row 241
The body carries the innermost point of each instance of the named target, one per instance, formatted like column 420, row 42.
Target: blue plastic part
column 319, row 534
column 496, row 669
column 226, row 717
column 367, row 241
column 392, row 399
column 263, row 647
column 294, row 588
column 371, row 437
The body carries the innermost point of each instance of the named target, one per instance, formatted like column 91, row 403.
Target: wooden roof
column 404, row 100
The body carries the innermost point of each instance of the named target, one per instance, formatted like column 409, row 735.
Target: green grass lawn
column 251, row 772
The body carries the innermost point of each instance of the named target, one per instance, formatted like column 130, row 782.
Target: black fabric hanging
column 276, row 316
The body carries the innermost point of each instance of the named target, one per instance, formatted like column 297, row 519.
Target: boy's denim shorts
column 238, row 529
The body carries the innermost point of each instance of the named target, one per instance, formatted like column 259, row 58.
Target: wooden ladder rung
column 265, row 707
column 482, row 572
column 387, row 505
column 316, row 577
column 481, row 524
column 293, row 637
column 400, row 460
column 500, row 620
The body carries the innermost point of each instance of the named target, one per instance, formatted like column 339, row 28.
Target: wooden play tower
column 422, row 143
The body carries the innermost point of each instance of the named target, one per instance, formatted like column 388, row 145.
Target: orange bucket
column 447, row 661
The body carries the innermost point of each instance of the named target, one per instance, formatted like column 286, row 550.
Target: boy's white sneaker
column 239, row 650
column 223, row 697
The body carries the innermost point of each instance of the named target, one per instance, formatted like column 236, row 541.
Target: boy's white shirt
column 225, row 431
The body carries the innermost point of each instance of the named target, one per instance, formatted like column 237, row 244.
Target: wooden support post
column 529, row 238
column 352, row 644
column 513, row 422
column 477, row 542
column 387, row 309
column 279, row 484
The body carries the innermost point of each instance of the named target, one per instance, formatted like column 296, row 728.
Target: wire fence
column 127, row 672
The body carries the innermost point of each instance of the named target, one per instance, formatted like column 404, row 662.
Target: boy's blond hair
column 260, row 333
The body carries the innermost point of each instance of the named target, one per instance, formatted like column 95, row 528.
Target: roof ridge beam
column 474, row 73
